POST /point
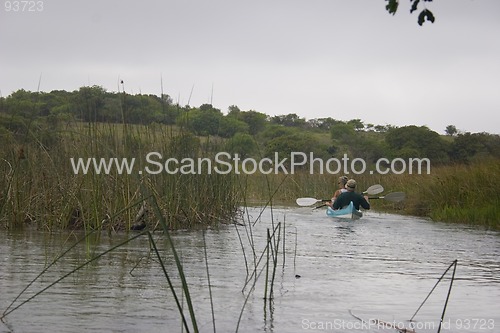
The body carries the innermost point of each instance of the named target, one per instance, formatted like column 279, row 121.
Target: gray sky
column 316, row 58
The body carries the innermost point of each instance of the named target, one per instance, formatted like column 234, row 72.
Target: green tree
column 327, row 123
column 23, row 103
column 147, row 109
column 274, row 131
column 289, row 120
column 57, row 101
column 229, row 126
column 357, row 124
column 202, row 121
column 256, row 121
column 242, row 144
column 469, row 146
column 382, row 128
column 89, row 103
column 421, row 140
column 299, row 142
column 451, row 130
column 112, row 109
column 342, row 132
column 233, row 111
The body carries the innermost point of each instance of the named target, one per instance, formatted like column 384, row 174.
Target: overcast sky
column 316, row 58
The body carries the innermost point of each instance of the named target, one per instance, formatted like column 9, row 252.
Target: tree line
column 248, row 133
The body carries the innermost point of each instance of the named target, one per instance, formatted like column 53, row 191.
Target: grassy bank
column 456, row 193
column 39, row 188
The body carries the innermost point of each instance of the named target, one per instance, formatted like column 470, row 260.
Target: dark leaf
column 430, row 16
column 421, row 17
column 392, row 6
column 425, row 14
column 414, row 6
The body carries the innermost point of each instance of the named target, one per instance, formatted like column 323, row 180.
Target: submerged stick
column 448, row 295
column 432, row 290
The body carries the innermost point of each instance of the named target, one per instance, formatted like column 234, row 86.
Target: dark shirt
column 345, row 198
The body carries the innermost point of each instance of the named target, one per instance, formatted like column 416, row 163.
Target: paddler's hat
column 351, row 183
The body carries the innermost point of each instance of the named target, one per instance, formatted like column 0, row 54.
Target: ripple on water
column 382, row 266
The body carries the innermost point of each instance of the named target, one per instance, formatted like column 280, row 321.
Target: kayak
column 348, row 212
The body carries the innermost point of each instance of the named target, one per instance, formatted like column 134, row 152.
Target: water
column 380, row 267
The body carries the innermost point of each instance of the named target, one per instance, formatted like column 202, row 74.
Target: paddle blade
column 374, row 189
column 395, row 196
column 306, row 201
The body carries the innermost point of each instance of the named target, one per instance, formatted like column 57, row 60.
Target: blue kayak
column 347, row 212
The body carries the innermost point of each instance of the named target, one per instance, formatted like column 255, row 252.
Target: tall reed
column 457, row 193
column 41, row 190
column 454, row 193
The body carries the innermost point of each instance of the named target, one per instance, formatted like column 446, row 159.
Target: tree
column 274, row 131
column 202, row 121
column 296, row 142
column 420, row 141
column 89, row 101
column 229, row 126
column 325, row 123
column 357, row 124
column 23, row 103
column 289, row 120
column 256, row 121
column 467, row 146
column 233, row 110
column 342, row 132
column 242, row 144
column 451, row 130
column 382, row 128
column 425, row 14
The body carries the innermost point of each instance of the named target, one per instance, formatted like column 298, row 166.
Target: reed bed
column 452, row 193
column 267, row 260
column 40, row 189
column 456, row 193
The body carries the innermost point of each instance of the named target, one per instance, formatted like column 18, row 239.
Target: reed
column 452, row 193
column 456, row 193
column 146, row 191
column 41, row 190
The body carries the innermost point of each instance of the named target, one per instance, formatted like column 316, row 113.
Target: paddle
column 394, row 197
column 372, row 190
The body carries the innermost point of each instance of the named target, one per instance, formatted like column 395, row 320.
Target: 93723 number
column 23, row 6
column 475, row 323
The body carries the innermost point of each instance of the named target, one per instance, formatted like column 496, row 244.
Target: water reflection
column 381, row 266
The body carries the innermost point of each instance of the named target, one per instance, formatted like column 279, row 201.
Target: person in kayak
column 345, row 198
column 341, row 182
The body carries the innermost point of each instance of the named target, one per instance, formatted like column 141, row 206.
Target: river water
column 330, row 276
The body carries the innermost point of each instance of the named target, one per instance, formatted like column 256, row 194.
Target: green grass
column 39, row 189
column 455, row 193
column 458, row 193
